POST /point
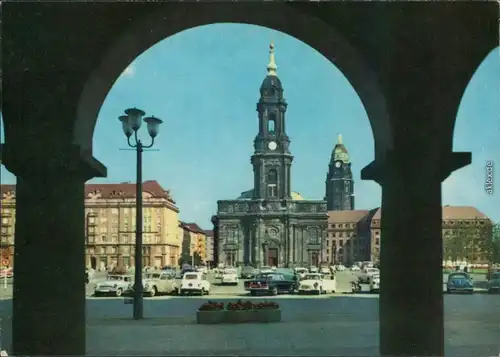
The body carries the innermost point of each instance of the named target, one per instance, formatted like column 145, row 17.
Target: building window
column 125, row 210
column 377, row 241
column 272, row 183
column 104, row 238
column 271, row 123
column 341, row 242
column 125, row 239
column 114, row 210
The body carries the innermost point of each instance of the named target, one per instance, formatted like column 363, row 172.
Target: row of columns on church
column 255, row 247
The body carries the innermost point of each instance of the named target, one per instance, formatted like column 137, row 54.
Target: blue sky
column 204, row 83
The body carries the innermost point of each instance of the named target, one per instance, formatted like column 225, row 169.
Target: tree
column 495, row 243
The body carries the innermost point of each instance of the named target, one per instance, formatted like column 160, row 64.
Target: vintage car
column 159, row 283
column 194, row 283
column 355, row 268
column 248, row 272
column 324, row 269
column 272, row 284
column 315, row 283
column 313, row 269
column 229, row 276
column 367, row 272
column 459, row 282
column 265, row 269
column 115, row 285
column 494, row 283
column 374, row 281
column 301, row 272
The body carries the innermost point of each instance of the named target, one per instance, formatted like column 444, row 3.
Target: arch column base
column 49, row 287
column 411, row 296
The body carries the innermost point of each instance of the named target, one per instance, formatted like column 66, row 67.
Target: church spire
column 271, row 67
column 339, row 139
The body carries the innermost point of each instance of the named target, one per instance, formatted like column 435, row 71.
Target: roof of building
column 192, row 227
column 339, row 152
column 248, row 195
column 452, row 212
column 114, row 190
column 208, row 232
column 347, row 216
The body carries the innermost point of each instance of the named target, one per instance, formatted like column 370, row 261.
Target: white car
column 317, row 284
column 202, row 269
column 313, row 269
column 340, row 267
column 355, row 268
column 229, row 276
column 374, row 281
column 325, row 270
column 159, row 283
column 194, row 283
column 367, row 272
column 301, row 272
column 115, row 285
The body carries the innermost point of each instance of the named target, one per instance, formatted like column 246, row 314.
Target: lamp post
column 131, row 122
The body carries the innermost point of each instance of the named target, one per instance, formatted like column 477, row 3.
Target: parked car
column 265, row 269
column 324, row 270
column 313, row 269
column 374, row 281
column 494, row 283
column 272, row 284
column 159, row 283
column 248, row 272
column 317, row 284
column 229, row 276
column 115, row 285
column 340, row 267
column 367, row 272
column 355, row 268
column 194, row 283
column 301, row 272
column 459, row 282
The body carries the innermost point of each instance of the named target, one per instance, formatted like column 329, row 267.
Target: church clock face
column 337, row 164
column 272, row 145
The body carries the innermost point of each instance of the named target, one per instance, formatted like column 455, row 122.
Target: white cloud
column 129, row 71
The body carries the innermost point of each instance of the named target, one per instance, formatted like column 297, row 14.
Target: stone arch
column 151, row 28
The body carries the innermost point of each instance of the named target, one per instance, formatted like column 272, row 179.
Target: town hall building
column 339, row 192
column 270, row 225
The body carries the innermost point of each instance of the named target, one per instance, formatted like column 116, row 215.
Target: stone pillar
column 49, row 289
column 412, row 236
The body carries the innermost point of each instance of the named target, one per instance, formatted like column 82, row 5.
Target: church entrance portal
column 314, row 259
column 272, row 257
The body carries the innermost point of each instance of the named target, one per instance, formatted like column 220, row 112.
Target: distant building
column 193, row 242
column 110, row 224
column 270, row 224
column 357, row 235
column 339, row 191
column 209, row 234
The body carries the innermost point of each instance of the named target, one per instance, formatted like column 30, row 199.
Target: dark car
column 494, row 283
column 248, row 272
column 272, row 284
column 459, row 282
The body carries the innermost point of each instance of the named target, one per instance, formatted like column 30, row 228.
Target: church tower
column 339, row 183
column 271, row 160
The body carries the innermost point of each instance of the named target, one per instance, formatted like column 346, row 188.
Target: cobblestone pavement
column 332, row 325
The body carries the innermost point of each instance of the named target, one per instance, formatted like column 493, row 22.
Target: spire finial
column 271, row 67
column 339, row 138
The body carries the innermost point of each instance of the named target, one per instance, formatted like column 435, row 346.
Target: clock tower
column 339, row 182
column 271, row 160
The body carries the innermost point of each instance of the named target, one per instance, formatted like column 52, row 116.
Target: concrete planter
column 210, row 317
column 238, row 316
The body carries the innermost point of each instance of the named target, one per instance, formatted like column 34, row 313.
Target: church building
column 339, row 195
column 270, row 225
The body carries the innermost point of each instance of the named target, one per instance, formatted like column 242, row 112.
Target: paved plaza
column 337, row 324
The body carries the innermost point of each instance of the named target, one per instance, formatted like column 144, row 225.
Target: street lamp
column 131, row 122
